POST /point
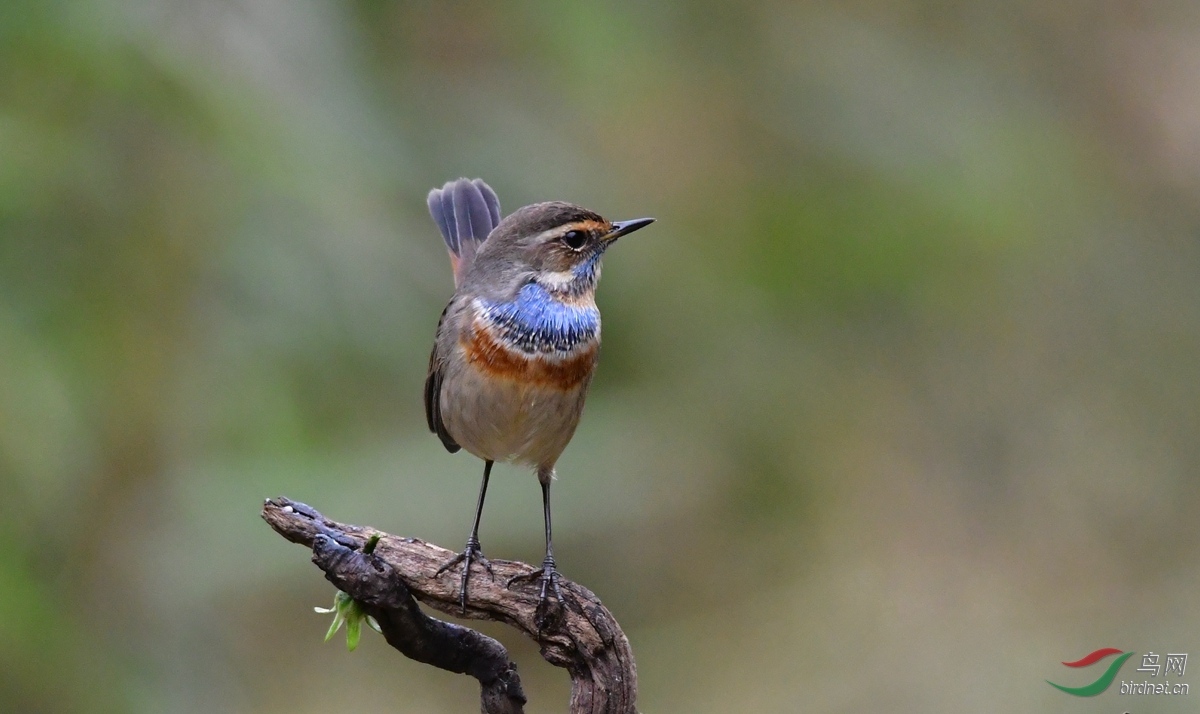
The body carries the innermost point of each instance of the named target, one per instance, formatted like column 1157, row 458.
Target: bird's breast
column 535, row 339
column 498, row 358
column 515, row 387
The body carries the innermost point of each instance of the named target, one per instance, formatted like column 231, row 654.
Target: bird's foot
column 472, row 552
column 549, row 577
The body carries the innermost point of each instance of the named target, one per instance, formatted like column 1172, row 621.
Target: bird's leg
column 472, row 551
column 548, row 574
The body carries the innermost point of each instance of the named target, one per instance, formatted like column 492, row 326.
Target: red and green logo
column 1105, row 679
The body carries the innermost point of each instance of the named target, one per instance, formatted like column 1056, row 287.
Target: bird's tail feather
column 466, row 211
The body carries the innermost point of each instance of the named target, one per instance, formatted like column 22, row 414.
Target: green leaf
column 346, row 610
column 334, row 626
column 353, row 632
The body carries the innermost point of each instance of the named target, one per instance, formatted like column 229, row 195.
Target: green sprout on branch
column 346, row 610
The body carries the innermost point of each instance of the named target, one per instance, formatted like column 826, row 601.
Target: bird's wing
column 433, row 394
column 465, row 211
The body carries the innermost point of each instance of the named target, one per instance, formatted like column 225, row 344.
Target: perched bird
column 517, row 344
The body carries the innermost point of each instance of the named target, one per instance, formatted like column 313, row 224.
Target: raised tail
column 466, row 211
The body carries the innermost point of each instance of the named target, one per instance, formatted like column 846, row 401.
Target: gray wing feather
column 466, row 212
column 433, row 395
column 443, row 215
column 493, row 201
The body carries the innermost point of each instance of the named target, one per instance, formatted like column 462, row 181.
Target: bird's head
column 559, row 243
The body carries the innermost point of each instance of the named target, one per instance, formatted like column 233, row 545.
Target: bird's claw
column 547, row 574
column 471, row 553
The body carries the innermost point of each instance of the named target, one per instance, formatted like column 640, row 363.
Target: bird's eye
column 575, row 239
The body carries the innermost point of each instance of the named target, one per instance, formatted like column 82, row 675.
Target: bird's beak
column 620, row 228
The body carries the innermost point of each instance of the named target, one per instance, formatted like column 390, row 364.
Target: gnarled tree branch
column 578, row 634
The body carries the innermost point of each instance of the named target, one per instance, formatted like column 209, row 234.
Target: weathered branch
column 578, row 634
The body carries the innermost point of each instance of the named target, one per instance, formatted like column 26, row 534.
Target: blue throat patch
column 537, row 322
column 585, row 272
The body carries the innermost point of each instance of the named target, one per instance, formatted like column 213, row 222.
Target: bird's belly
column 506, row 420
column 506, row 406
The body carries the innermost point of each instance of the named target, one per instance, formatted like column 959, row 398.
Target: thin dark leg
column 472, row 550
column 487, row 474
column 546, row 517
column 548, row 574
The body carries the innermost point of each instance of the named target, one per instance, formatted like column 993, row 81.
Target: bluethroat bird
column 517, row 344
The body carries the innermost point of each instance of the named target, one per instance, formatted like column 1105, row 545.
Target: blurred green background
column 898, row 405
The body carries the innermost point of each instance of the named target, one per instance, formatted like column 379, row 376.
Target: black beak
column 620, row 228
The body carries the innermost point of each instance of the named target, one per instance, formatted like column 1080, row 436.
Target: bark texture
column 578, row 634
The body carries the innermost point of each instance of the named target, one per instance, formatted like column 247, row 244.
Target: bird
column 517, row 345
